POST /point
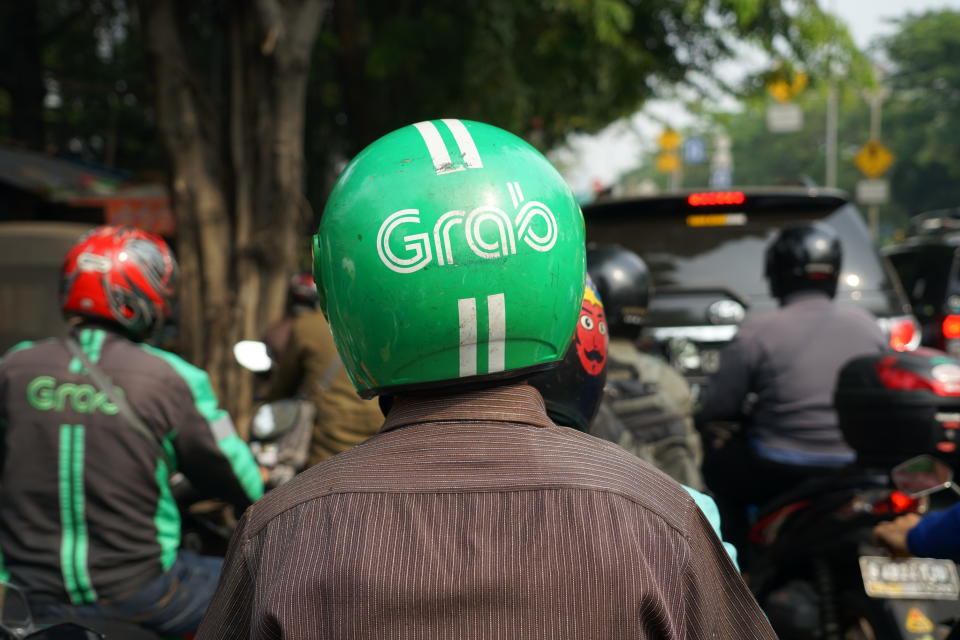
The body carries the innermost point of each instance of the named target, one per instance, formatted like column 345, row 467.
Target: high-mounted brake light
column 951, row 327
column 714, row 198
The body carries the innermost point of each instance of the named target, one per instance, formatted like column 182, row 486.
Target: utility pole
column 831, row 125
column 875, row 98
column 831, row 137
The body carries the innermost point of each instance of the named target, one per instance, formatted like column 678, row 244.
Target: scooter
column 816, row 570
column 819, row 575
column 280, row 430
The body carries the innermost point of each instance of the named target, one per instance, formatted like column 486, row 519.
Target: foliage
column 764, row 158
column 90, row 68
column 920, row 124
column 542, row 68
column 922, row 116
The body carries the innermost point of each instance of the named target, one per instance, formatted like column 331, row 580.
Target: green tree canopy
column 922, row 115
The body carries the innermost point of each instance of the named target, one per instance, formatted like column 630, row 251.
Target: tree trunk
column 236, row 174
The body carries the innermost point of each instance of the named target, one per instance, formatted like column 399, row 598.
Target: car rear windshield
column 712, row 254
column 925, row 272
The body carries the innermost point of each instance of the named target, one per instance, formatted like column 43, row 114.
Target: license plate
column 919, row 578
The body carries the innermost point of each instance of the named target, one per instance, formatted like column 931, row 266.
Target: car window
column 925, row 272
column 732, row 257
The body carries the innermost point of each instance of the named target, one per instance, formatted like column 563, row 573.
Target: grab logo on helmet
column 487, row 231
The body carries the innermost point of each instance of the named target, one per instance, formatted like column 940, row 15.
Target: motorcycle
column 821, row 576
column 280, row 430
column 17, row 623
column 816, row 571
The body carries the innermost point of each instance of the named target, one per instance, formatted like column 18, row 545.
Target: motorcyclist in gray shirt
column 783, row 364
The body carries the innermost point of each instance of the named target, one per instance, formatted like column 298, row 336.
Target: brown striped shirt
column 474, row 516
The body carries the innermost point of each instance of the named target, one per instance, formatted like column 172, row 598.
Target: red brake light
column 899, row 379
column 714, row 198
column 896, row 502
column 951, row 327
column 903, row 334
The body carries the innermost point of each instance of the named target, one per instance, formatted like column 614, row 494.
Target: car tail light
column 893, row 377
column 951, row 327
column 714, row 198
column 897, row 502
column 903, row 332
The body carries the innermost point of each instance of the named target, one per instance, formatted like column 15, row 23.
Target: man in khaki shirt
column 310, row 365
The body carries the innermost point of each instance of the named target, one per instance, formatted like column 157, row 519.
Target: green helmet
column 449, row 252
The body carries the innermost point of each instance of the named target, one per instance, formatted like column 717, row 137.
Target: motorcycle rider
column 648, row 406
column 309, row 364
column 572, row 392
column 450, row 264
column 87, row 520
column 786, row 363
column 301, row 299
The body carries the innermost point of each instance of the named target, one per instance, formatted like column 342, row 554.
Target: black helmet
column 804, row 257
column 572, row 391
column 624, row 284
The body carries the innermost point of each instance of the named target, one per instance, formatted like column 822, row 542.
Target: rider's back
column 475, row 516
column 798, row 351
column 87, row 513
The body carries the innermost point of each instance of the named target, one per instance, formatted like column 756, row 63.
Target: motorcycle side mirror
column 252, row 355
column 923, row 475
column 16, row 620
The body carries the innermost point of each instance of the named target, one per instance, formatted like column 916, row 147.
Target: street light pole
column 831, row 136
column 875, row 98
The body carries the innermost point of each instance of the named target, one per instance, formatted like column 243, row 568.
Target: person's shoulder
column 169, row 365
column 584, row 463
column 311, row 326
column 854, row 312
column 859, row 318
column 27, row 350
column 758, row 323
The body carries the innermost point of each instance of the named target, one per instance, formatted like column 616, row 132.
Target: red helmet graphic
column 122, row 275
column 573, row 390
column 591, row 337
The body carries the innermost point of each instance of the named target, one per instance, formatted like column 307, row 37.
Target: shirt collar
column 805, row 294
column 517, row 403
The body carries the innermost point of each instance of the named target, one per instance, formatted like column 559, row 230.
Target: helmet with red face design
column 573, row 390
column 122, row 275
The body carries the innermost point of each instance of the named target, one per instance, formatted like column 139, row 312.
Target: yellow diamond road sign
column 669, row 140
column 784, row 90
column 668, row 162
column 873, row 159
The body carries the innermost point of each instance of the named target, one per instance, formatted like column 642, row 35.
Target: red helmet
column 303, row 290
column 120, row 274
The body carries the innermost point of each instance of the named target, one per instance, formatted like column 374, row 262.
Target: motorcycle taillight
column 896, row 502
column 943, row 381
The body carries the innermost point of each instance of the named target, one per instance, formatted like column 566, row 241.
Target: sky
column 603, row 157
